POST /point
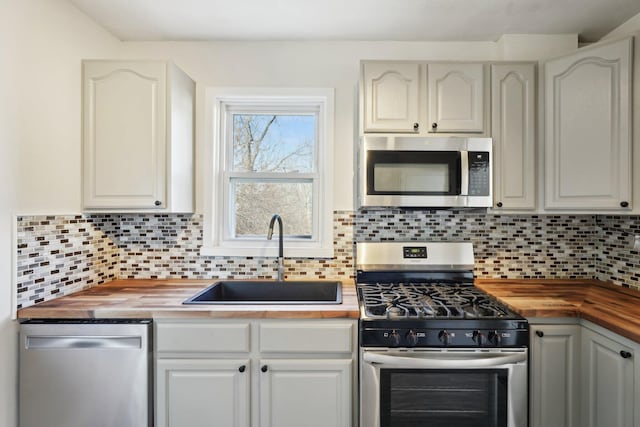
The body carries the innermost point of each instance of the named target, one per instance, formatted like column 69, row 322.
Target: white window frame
column 218, row 237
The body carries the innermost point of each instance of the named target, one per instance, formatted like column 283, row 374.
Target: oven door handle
column 469, row 360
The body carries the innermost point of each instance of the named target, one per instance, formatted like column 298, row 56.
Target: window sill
column 267, row 252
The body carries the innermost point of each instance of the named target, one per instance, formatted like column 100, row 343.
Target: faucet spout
column 275, row 218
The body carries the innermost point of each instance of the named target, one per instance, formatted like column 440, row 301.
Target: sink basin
column 269, row 292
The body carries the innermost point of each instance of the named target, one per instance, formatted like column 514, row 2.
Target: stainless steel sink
column 269, row 292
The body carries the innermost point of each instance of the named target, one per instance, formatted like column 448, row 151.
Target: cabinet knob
column 242, row 368
column 157, row 203
column 499, row 204
column 540, row 334
column 434, row 126
column 624, row 204
column 416, row 126
column 264, row 368
column 625, row 354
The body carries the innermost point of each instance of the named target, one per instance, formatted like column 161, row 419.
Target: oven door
column 443, row 388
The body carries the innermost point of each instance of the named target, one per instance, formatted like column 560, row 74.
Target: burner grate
column 428, row 300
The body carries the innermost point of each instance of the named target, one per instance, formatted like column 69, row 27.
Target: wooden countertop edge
column 162, row 298
column 582, row 302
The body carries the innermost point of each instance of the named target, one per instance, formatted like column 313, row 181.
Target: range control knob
column 394, row 339
column 478, row 337
column 443, row 336
column 495, row 337
column 412, row 338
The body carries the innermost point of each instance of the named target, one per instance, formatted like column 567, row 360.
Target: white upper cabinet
column 391, row 96
column 588, row 129
column 456, row 97
column 513, row 130
column 137, row 137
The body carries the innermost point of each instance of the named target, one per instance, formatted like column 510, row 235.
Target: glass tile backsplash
column 58, row 255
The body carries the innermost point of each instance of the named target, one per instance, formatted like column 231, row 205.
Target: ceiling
column 395, row 20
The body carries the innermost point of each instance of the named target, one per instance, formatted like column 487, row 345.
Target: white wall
column 41, row 44
column 323, row 64
column 629, row 28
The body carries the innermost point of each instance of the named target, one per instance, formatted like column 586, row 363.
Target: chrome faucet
column 280, row 244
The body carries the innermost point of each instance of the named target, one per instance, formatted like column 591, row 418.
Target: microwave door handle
column 464, row 173
column 470, row 361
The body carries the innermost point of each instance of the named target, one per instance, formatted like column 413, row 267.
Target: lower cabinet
column 582, row 375
column 310, row 393
column 555, row 375
column 189, row 391
column 608, row 396
column 260, row 373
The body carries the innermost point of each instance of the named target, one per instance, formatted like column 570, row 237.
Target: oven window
column 413, row 172
column 443, row 398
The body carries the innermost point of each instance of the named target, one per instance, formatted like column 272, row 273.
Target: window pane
column 273, row 143
column 256, row 202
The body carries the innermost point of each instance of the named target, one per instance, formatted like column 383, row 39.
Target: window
column 269, row 153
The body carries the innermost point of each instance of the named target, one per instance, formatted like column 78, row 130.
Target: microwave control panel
column 479, row 176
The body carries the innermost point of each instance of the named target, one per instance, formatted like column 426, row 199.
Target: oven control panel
column 414, row 251
column 443, row 337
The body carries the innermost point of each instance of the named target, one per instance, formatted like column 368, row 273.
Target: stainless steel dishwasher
column 86, row 373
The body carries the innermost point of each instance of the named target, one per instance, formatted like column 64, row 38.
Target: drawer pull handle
column 540, row 334
column 625, row 354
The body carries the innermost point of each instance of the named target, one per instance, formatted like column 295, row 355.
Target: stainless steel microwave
column 425, row 172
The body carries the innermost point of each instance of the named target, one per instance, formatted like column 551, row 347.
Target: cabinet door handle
column 540, row 334
column 434, row 126
column 416, row 126
column 625, row 354
column 624, row 204
column 242, row 368
column 264, row 368
column 499, row 204
column 157, row 203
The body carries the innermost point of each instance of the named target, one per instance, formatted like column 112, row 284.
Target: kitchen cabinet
column 555, row 375
column 610, row 375
column 513, row 88
column 423, row 98
column 202, row 392
column 138, row 137
column 249, row 372
column 456, row 97
column 310, row 393
column 588, row 129
column 391, row 92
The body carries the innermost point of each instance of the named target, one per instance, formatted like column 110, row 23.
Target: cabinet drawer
column 202, row 337
column 306, row 338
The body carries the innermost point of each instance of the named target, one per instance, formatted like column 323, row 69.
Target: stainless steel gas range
column 434, row 350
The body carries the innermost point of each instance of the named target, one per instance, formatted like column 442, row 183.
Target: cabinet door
column 513, row 131
column 310, row 393
column 555, row 376
column 202, row 393
column 587, row 129
column 608, row 375
column 391, row 96
column 456, row 97
column 124, row 134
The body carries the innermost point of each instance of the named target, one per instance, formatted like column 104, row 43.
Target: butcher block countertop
column 154, row 299
column 610, row 306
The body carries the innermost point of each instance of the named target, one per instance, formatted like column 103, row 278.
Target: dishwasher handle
column 468, row 360
column 82, row 341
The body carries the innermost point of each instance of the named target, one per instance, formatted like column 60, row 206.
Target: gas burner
column 428, row 300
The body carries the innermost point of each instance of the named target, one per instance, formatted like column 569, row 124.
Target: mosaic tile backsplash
column 58, row 255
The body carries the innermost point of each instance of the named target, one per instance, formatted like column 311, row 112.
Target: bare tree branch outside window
column 278, row 145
